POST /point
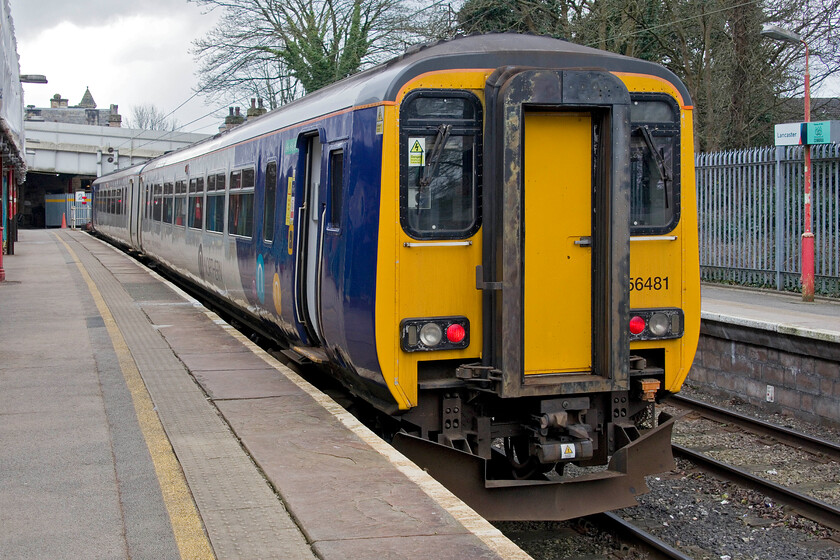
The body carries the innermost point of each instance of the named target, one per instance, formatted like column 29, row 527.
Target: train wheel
column 523, row 465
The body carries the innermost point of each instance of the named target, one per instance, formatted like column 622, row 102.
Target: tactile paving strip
column 242, row 515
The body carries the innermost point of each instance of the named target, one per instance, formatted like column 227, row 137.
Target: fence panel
column 750, row 210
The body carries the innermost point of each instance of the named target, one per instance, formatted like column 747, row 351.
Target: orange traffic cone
column 63, row 221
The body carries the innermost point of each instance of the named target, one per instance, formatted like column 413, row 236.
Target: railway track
column 636, row 537
column 817, row 510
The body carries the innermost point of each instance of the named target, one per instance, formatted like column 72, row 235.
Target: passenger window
column 180, row 201
column 167, row 202
column 654, row 164
column 241, row 207
column 336, row 188
column 440, row 170
column 215, row 210
column 269, row 210
column 157, row 202
column 195, row 202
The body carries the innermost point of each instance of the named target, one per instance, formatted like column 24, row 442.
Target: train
column 486, row 239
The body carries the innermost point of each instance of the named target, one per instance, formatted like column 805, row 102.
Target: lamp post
column 779, row 34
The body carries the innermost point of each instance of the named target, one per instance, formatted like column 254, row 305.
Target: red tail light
column 455, row 333
column 637, row 325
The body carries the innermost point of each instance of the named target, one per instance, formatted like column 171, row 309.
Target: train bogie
column 487, row 239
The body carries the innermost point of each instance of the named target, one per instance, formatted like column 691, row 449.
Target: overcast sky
column 129, row 52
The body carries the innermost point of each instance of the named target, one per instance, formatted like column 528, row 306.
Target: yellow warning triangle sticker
column 416, row 148
column 568, row 449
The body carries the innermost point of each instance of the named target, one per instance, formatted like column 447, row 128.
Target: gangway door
column 556, row 235
column 558, row 252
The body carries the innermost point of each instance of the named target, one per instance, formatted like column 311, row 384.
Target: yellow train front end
column 538, row 278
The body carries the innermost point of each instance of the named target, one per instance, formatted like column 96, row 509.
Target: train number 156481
column 650, row 283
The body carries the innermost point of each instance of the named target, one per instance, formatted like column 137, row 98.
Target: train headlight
column 434, row 333
column 659, row 324
column 431, row 334
column 656, row 324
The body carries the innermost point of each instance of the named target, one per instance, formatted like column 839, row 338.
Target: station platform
column 135, row 423
column 777, row 312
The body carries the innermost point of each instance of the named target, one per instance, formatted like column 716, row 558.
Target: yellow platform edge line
column 186, row 523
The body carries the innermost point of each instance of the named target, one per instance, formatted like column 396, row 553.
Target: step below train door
column 555, row 260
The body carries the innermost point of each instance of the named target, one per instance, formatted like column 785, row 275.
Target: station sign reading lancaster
column 796, row 134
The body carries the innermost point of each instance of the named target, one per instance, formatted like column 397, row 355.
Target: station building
column 69, row 146
column 12, row 137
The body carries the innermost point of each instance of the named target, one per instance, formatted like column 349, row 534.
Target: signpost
column 807, row 134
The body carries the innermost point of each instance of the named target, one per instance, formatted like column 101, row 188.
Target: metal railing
column 80, row 215
column 750, row 207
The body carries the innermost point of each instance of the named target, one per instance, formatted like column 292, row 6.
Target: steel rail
column 793, row 438
column 656, row 548
column 808, row 506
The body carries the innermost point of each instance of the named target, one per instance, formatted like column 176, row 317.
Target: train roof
column 120, row 173
column 383, row 82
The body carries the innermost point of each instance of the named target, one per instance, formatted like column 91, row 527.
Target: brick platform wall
column 805, row 374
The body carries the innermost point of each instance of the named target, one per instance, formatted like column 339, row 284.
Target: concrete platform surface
column 774, row 311
column 134, row 423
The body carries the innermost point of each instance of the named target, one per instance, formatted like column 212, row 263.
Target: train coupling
column 555, row 452
column 574, row 445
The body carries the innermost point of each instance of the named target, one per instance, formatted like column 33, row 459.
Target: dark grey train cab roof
column 383, row 82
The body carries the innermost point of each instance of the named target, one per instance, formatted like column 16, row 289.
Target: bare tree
column 281, row 49
column 150, row 117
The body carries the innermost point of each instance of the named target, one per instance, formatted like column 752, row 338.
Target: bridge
column 65, row 158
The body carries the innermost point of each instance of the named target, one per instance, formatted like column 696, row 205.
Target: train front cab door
column 310, row 232
column 558, row 253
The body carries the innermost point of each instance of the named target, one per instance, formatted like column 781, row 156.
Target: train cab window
column 215, row 207
column 336, row 188
column 654, row 164
column 195, row 202
column 168, row 189
column 269, row 208
column 440, row 164
column 241, row 205
column 180, row 201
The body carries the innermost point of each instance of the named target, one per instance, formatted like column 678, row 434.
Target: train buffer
column 134, row 423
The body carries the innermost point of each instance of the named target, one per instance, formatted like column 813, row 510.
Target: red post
column 2, row 272
column 807, row 235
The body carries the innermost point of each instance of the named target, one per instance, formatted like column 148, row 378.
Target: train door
column 132, row 204
column 310, row 231
column 138, row 207
column 558, row 253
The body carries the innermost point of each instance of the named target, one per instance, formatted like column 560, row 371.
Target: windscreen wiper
column 433, row 157
column 664, row 172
